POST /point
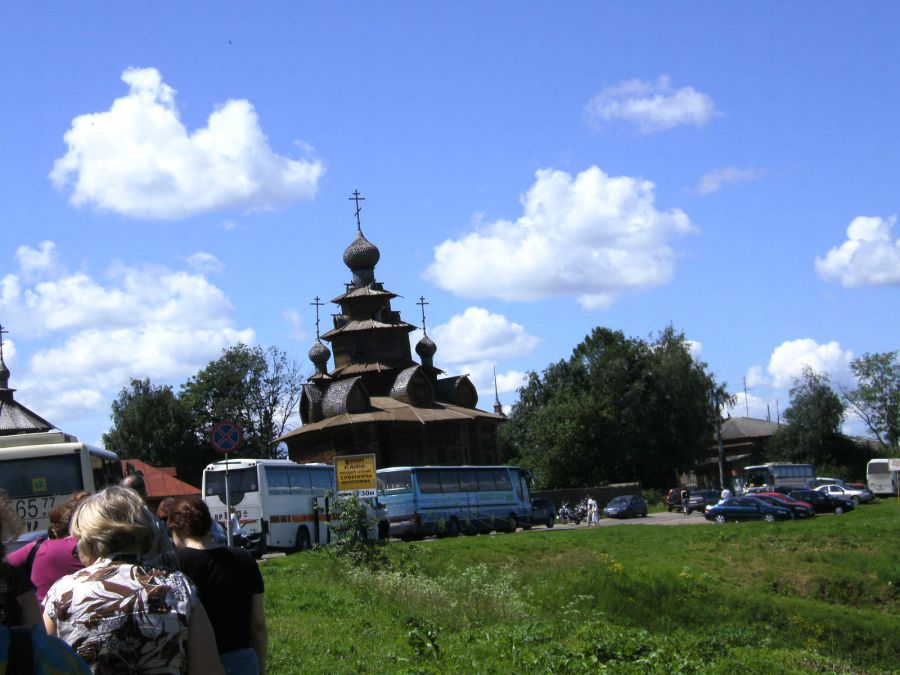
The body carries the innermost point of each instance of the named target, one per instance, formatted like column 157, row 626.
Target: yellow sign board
column 39, row 484
column 355, row 472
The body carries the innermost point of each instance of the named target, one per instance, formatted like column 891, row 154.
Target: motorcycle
column 573, row 514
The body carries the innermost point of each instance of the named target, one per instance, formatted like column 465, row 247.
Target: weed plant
column 795, row 597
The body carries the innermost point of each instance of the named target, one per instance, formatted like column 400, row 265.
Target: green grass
column 811, row 596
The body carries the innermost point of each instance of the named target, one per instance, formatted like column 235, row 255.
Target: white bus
column 280, row 504
column 780, row 475
column 40, row 470
column 880, row 479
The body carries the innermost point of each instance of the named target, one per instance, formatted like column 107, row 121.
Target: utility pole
column 746, row 402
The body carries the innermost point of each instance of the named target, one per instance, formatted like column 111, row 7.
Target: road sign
column 894, row 464
column 226, row 437
column 355, row 472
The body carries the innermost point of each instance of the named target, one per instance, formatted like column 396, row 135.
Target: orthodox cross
column 357, row 198
column 2, row 331
column 318, row 304
column 422, row 304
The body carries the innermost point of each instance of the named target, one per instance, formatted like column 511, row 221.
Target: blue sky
column 176, row 178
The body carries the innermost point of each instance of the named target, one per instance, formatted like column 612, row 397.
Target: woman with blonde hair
column 120, row 613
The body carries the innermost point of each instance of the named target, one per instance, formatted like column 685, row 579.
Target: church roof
column 15, row 418
column 387, row 409
column 365, row 292
column 366, row 325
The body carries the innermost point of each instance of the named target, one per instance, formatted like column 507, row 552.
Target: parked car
column 626, row 506
column 700, row 499
column 798, row 508
column 822, row 502
column 842, row 492
column 746, row 508
column 673, row 499
column 543, row 512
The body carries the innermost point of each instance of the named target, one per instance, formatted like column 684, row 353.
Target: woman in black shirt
column 229, row 584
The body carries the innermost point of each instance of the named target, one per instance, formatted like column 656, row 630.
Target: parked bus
column 880, row 479
column 280, row 504
column 41, row 470
column 447, row 500
column 780, row 475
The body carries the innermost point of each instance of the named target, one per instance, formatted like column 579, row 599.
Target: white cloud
column 204, row 263
column 756, row 377
column 138, row 159
column 478, row 333
column 869, row 257
column 718, row 178
column 695, row 349
column 482, row 375
column 33, row 263
column 789, row 358
column 594, row 236
column 292, row 316
column 97, row 334
column 758, row 407
column 651, row 106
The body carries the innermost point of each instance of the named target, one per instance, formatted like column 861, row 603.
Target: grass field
column 803, row 596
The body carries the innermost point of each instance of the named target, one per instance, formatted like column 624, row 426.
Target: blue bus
column 449, row 500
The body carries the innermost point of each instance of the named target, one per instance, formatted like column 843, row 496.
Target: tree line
column 257, row 388
column 628, row 409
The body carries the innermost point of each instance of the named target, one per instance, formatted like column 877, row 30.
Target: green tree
column 876, row 398
column 256, row 388
column 812, row 429
column 150, row 423
column 618, row 409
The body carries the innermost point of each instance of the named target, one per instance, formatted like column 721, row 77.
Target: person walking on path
column 685, row 497
column 229, row 584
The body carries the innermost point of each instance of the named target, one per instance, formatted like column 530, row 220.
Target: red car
column 801, row 509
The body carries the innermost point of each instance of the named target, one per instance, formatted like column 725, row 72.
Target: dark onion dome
column 361, row 254
column 425, row 347
column 319, row 353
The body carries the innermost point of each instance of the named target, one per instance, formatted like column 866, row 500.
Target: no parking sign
column 226, row 437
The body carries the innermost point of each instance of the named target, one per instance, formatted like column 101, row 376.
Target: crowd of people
column 117, row 589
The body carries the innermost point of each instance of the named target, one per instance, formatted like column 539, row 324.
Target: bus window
column 468, row 481
column 321, row 479
column 60, row 474
column 449, row 481
column 429, row 481
column 396, row 482
column 501, row 478
column 278, row 481
column 486, row 480
column 299, row 478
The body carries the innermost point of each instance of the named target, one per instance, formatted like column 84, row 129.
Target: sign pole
column 226, row 437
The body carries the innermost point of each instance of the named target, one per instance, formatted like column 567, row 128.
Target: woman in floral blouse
column 120, row 613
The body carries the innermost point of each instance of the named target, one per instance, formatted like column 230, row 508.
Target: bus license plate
column 34, row 510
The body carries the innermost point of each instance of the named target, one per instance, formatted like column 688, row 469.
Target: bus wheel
column 512, row 523
column 302, row 541
column 452, row 528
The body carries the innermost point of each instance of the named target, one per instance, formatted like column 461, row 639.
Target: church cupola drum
column 377, row 398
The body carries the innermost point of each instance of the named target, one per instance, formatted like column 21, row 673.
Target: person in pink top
column 55, row 557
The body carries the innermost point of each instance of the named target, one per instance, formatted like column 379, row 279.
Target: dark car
column 543, row 512
column 673, row 499
column 626, row 506
column 821, row 502
column 698, row 500
column 746, row 508
column 799, row 509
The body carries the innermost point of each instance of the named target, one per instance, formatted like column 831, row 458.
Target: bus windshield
column 240, row 481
